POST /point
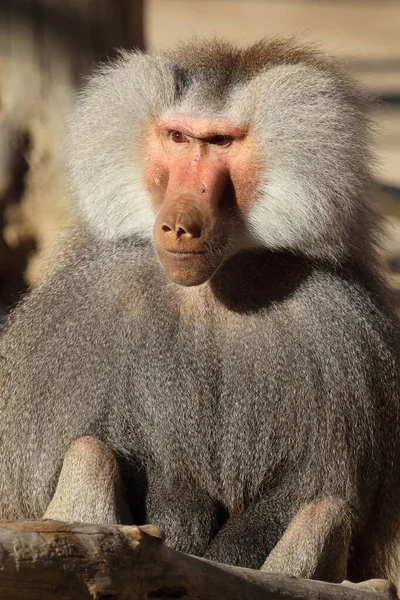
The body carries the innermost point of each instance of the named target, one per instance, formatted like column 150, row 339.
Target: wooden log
column 50, row 560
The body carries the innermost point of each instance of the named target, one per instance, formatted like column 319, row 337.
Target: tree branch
column 49, row 560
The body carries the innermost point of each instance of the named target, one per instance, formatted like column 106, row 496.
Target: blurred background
column 48, row 47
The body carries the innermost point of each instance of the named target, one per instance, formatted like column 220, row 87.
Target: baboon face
column 210, row 150
column 197, row 171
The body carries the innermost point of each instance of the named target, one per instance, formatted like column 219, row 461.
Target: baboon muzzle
column 190, row 222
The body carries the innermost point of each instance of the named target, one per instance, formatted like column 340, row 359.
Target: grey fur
column 269, row 387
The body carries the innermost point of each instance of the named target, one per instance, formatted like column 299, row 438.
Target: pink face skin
column 200, row 172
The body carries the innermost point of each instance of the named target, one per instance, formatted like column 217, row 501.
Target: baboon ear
column 105, row 145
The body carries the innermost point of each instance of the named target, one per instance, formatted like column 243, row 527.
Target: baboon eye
column 178, row 137
column 221, row 140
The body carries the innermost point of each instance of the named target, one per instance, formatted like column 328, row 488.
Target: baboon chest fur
column 204, row 384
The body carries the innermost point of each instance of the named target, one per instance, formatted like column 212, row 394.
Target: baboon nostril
column 192, row 231
column 177, row 229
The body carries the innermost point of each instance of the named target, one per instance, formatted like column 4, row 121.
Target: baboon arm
column 315, row 545
column 89, row 487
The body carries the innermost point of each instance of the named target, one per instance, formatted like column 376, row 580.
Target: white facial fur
column 312, row 139
column 105, row 144
column 314, row 144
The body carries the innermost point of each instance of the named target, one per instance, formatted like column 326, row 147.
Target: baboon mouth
column 188, row 267
column 183, row 254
